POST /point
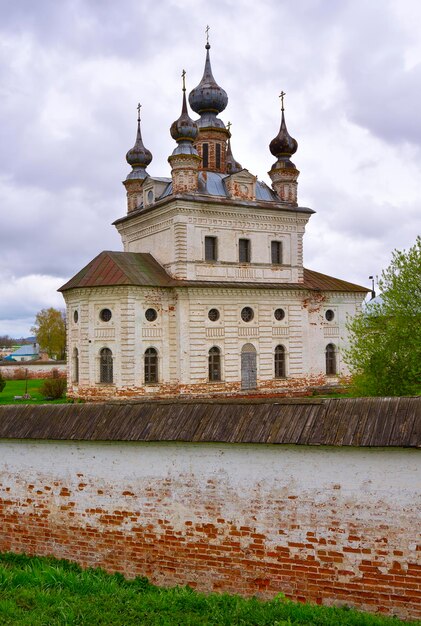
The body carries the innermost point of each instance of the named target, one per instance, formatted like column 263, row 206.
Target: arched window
column 151, row 366
column 248, row 366
column 330, row 359
column 106, row 366
column 280, row 365
column 75, row 365
column 214, row 361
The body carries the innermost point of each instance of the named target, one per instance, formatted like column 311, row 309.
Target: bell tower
column 208, row 99
column 283, row 172
column 139, row 158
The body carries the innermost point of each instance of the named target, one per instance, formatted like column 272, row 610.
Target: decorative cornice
column 199, row 199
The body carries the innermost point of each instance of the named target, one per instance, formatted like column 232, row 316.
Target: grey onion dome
column 184, row 129
column 208, row 95
column 139, row 156
column 283, row 145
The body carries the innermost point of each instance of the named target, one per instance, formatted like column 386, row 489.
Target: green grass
column 46, row 591
column 17, row 388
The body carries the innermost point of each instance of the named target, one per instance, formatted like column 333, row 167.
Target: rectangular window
column 244, row 250
column 276, row 252
column 205, row 155
column 218, row 156
column 210, row 249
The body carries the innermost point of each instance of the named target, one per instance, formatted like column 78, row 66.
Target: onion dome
column 138, row 157
column 184, row 129
column 208, row 96
column 232, row 165
column 283, row 145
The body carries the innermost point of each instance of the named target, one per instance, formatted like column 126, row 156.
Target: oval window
column 213, row 315
column 279, row 314
column 75, row 317
column 247, row 314
column 105, row 315
column 329, row 315
column 151, row 315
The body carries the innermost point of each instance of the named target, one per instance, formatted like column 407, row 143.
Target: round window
column 329, row 315
column 151, row 315
column 213, row 315
column 150, row 196
column 75, row 317
column 247, row 314
column 279, row 314
column 105, row 315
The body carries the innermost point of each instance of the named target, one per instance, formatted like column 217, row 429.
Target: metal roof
column 120, row 268
column 26, row 350
column 110, row 269
column 357, row 422
column 212, row 184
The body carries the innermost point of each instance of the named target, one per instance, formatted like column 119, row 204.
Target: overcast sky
column 72, row 72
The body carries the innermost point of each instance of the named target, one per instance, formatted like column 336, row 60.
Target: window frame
column 213, row 241
column 244, row 250
column 75, row 366
column 279, row 362
column 218, row 155
column 247, row 312
column 214, row 365
column 106, row 366
column 276, row 252
column 205, row 155
column 150, row 366
column 331, row 360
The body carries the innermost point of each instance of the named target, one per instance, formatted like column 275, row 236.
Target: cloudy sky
column 72, row 72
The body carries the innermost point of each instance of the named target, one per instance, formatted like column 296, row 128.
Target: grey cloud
column 382, row 93
column 72, row 72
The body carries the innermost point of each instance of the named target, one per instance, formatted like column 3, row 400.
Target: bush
column 20, row 373
column 2, row 382
column 53, row 388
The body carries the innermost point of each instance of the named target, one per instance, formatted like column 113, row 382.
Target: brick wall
column 324, row 525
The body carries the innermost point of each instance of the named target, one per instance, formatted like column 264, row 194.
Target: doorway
column 248, row 367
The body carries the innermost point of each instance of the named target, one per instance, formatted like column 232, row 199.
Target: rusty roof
column 357, row 422
column 111, row 269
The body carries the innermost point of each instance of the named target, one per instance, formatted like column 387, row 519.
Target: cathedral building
column 210, row 295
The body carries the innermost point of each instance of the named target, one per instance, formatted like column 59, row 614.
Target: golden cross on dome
column 207, row 29
column 281, row 95
column 138, row 111
column 183, row 76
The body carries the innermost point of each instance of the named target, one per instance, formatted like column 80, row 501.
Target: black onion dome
column 283, row 145
column 184, row 129
column 208, row 95
column 139, row 156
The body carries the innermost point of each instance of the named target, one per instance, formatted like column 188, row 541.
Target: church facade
column 210, row 295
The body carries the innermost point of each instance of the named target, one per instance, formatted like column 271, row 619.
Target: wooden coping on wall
column 358, row 422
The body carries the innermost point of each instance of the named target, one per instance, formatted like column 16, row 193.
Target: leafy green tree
column 385, row 352
column 50, row 332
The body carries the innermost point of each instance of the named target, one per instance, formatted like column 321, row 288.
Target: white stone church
column 210, row 295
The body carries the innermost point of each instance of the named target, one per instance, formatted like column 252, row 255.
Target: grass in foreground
column 46, row 591
column 17, row 388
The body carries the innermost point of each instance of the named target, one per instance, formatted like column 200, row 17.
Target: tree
column 50, row 332
column 385, row 352
column 6, row 341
